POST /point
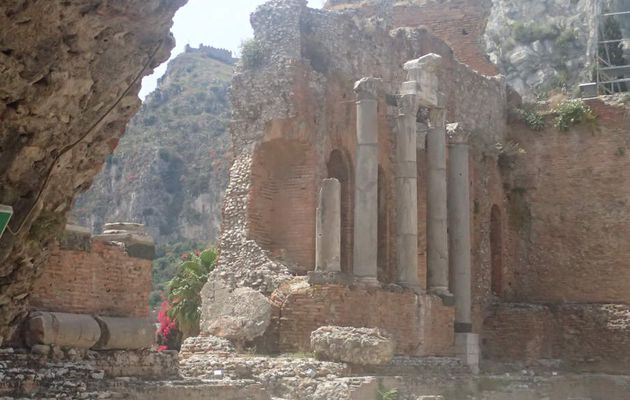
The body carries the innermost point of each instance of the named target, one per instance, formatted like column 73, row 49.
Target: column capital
column 456, row 134
column 408, row 104
column 425, row 72
column 367, row 88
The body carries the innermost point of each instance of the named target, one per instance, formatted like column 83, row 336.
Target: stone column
column 425, row 71
column 328, row 228
column 407, row 193
column 459, row 225
column 466, row 342
column 437, row 229
column 366, row 182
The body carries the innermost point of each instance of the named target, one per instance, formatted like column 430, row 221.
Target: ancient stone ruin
column 392, row 228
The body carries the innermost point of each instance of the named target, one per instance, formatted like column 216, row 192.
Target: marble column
column 425, row 71
column 407, row 193
column 459, row 225
column 366, row 182
column 328, row 227
column 437, row 229
column 466, row 342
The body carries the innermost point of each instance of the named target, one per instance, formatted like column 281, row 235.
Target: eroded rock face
column 70, row 74
column 361, row 346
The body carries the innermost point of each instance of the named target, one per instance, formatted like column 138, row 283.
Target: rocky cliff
column 70, row 74
column 540, row 45
column 171, row 166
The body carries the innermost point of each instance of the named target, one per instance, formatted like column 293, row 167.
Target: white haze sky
column 217, row 23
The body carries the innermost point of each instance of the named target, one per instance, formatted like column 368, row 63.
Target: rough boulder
column 361, row 346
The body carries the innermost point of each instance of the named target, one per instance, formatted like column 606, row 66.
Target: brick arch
column 339, row 167
column 282, row 202
column 496, row 251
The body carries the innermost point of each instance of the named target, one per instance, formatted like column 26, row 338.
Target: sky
column 217, row 23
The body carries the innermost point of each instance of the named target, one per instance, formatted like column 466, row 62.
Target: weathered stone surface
column 125, row 334
column 205, row 345
column 240, row 315
column 71, row 74
column 61, row 329
column 362, row 346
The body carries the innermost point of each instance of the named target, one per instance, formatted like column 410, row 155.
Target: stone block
column 76, row 237
column 62, row 329
column 124, row 334
column 241, row 315
column 361, row 346
column 467, row 349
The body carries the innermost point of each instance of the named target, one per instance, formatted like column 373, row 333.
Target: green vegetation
column 533, row 119
column 508, row 153
column 528, row 32
column 385, row 394
column 572, row 112
column 165, row 266
column 252, row 54
column 184, row 289
column 173, row 158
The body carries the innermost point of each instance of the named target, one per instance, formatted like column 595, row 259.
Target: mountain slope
column 170, row 169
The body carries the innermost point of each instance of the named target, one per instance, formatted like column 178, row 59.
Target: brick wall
column 585, row 337
column 565, row 250
column 283, row 201
column 420, row 324
column 460, row 23
column 100, row 279
column 569, row 207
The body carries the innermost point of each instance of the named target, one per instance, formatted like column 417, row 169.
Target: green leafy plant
column 533, row 119
column 572, row 112
column 384, row 394
column 252, row 54
column 185, row 290
column 508, row 153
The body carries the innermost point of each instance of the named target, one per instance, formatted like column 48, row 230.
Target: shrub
column 508, row 153
column 185, row 290
column 572, row 112
column 533, row 119
column 252, row 54
column 168, row 336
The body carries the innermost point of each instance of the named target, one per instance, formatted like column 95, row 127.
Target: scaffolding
column 610, row 76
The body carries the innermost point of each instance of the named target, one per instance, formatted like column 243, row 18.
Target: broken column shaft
column 366, row 182
column 459, row 225
column 328, row 227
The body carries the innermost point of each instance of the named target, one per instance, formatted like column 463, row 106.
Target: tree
column 184, row 294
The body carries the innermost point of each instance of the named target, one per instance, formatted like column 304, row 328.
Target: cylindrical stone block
column 459, row 233
column 437, row 233
column 125, row 334
column 328, row 227
column 366, row 192
column 62, row 329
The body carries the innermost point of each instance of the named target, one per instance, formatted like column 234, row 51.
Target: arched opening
column 496, row 251
column 339, row 167
column 385, row 272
